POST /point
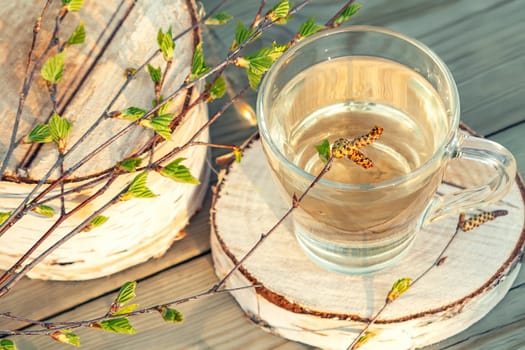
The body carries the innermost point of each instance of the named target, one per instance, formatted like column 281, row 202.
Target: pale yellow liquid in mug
column 347, row 97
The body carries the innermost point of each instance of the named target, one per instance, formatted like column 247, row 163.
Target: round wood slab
column 120, row 34
column 300, row 301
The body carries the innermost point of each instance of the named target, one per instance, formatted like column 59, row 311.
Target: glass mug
column 341, row 83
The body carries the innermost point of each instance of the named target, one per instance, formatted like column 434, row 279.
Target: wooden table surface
column 483, row 43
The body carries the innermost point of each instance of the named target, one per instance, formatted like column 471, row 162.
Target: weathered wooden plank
column 331, row 312
column 493, row 100
column 507, row 337
column 483, row 52
column 501, row 326
column 41, row 299
column 482, row 64
column 479, row 47
column 218, row 323
column 210, row 323
column 513, row 139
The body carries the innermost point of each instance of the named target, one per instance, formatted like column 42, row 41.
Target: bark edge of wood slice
column 302, row 302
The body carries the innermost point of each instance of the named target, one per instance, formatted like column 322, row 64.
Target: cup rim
column 269, row 77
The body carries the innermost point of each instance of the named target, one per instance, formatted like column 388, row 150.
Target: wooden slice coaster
column 302, row 302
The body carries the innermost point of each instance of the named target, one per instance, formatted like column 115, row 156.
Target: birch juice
column 347, row 97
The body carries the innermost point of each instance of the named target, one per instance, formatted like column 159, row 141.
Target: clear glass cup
column 341, row 83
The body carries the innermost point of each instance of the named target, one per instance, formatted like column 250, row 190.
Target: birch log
column 120, row 34
column 300, row 301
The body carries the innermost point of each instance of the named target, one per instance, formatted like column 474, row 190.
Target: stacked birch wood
column 120, row 34
column 300, row 301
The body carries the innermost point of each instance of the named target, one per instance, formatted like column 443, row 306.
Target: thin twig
column 264, row 236
column 80, row 187
column 8, row 274
column 62, row 193
column 204, row 127
column 18, row 264
column 437, row 262
column 21, row 209
column 331, row 21
column 15, row 278
column 16, row 215
column 50, row 327
column 257, row 16
column 212, row 145
column 26, row 86
column 440, row 256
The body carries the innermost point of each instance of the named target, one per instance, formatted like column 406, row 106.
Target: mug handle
column 483, row 151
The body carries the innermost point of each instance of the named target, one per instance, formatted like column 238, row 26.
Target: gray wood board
column 483, row 43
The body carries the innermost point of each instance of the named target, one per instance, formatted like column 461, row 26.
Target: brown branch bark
column 49, row 327
column 331, row 21
column 26, row 86
column 15, row 277
column 22, row 209
column 436, row 263
column 264, row 236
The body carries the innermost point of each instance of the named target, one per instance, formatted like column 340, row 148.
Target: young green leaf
column 171, row 315
column 238, row 154
column 154, row 73
column 39, row 134
column 127, row 292
column 78, row 36
column 7, row 344
column 66, row 338
column 323, row 150
column 59, row 128
column 138, row 189
column 279, row 11
column 258, row 65
column 273, row 52
column 99, row 220
column 53, row 69
column 241, row 35
column 130, row 164
column 166, row 44
column 178, row 172
column 74, row 5
column 96, row 222
column 218, row 89
column 198, row 66
column 259, row 62
column 4, row 216
column 117, row 325
column 364, row 339
column 399, row 287
column 219, row 18
column 309, row 28
column 161, row 125
column 347, row 14
column 44, row 210
column 130, row 113
column 254, row 78
column 165, row 106
column 125, row 309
